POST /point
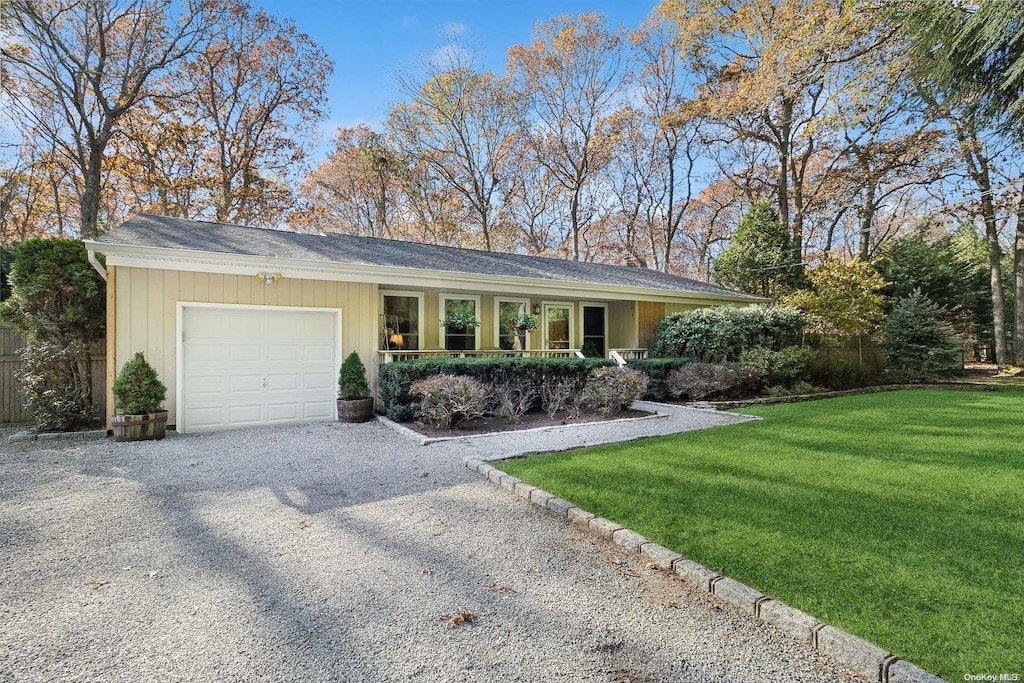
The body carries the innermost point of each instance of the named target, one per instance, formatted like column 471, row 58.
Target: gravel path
column 331, row 552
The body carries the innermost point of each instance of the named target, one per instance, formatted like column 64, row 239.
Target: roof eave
column 246, row 264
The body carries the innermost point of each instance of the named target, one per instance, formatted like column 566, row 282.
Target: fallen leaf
column 616, row 559
column 442, row 522
column 152, row 574
column 629, row 573
column 670, row 604
column 427, row 570
column 499, row 587
column 303, row 524
column 459, row 618
column 96, row 584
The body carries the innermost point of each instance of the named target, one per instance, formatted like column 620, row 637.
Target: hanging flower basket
column 458, row 322
column 522, row 322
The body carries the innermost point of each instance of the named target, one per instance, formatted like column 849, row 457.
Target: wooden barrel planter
column 359, row 410
column 148, row 427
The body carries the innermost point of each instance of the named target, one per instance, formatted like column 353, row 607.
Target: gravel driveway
column 331, row 552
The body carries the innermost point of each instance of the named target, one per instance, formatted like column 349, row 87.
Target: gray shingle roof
column 146, row 230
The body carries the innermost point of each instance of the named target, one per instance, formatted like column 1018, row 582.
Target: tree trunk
column 1018, row 285
column 90, row 209
column 574, row 211
column 867, row 217
column 785, row 162
column 995, row 255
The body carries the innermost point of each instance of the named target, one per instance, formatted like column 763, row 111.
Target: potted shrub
column 138, row 393
column 354, row 401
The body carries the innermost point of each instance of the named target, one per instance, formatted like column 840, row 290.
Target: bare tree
column 461, row 122
column 573, row 74
column 77, row 67
column 259, row 87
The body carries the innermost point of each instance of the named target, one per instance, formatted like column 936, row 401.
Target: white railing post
column 617, row 357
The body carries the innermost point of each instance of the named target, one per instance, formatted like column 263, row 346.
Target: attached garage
column 242, row 366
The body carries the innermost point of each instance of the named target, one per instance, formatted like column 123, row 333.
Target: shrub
column 513, row 398
column 722, row 333
column 657, row 369
column 786, row 367
column 609, row 390
column 60, row 301
column 396, row 379
column 561, row 394
column 449, row 401
column 698, row 381
column 52, row 387
column 798, row 389
column 137, row 389
column 352, row 379
column 918, row 343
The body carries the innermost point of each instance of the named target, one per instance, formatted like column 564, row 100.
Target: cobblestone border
column 425, row 440
column 952, row 386
column 875, row 663
column 29, row 435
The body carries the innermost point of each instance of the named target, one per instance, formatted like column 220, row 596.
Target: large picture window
column 456, row 308
column 505, row 309
column 401, row 316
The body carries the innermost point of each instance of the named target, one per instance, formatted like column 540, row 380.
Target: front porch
column 429, row 323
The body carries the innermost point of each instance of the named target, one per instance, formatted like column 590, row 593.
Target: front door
column 557, row 326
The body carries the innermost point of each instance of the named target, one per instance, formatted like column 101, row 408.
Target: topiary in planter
column 138, row 393
column 354, row 401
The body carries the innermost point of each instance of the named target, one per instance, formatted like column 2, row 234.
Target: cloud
column 449, row 56
column 455, row 29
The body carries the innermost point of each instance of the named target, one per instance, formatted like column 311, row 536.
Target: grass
column 896, row 516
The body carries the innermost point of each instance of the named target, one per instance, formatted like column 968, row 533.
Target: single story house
column 248, row 326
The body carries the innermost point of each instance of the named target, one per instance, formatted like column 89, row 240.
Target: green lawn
column 896, row 516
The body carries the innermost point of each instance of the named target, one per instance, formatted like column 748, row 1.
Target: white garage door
column 253, row 366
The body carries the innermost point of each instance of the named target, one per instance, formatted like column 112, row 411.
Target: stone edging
column 29, row 435
column 425, row 440
column 872, row 661
column 954, row 386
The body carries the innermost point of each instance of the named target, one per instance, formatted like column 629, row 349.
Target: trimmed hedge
column 722, row 333
column 657, row 369
column 396, row 378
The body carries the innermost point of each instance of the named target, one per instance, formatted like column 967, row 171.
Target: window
column 505, row 309
column 401, row 316
column 595, row 324
column 456, row 308
column 557, row 325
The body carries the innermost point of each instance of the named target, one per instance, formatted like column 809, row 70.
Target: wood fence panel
column 12, row 408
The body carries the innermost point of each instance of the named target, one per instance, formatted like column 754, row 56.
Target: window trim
column 444, row 297
column 421, row 311
column 572, row 320
column 498, row 301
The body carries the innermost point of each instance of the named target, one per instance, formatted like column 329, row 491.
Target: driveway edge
column 869, row 660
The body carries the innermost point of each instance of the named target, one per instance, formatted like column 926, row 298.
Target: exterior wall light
column 269, row 278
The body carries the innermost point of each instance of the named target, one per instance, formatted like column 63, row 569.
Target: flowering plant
column 522, row 322
column 460, row 320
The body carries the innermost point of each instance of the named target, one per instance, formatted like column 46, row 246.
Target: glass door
column 595, row 331
column 557, row 326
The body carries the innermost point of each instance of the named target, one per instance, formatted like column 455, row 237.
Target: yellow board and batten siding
column 146, row 302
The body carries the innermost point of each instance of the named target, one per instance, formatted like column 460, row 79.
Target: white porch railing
column 626, row 355
column 391, row 356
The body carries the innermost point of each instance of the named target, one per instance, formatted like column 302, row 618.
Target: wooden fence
column 12, row 403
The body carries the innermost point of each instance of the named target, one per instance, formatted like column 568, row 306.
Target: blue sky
column 370, row 40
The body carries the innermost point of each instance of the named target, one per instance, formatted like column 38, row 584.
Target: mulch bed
column 531, row 420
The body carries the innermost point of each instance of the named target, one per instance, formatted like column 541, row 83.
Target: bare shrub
column 560, row 394
column 449, row 401
column 698, row 381
column 609, row 390
column 513, row 398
